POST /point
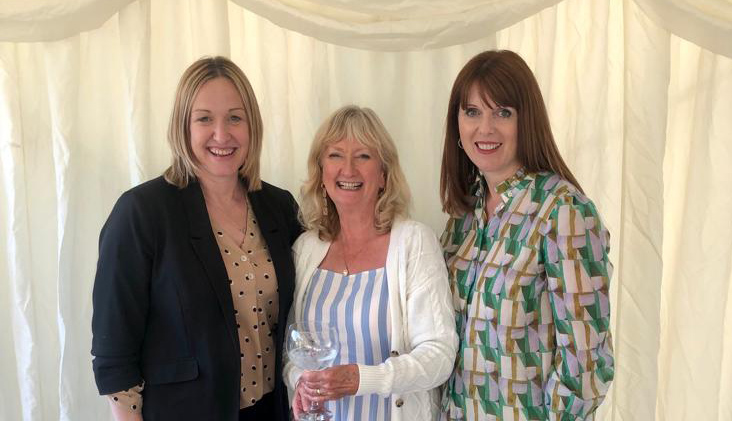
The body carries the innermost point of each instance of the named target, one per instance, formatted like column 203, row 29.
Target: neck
column 493, row 180
column 222, row 190
column 356, row 226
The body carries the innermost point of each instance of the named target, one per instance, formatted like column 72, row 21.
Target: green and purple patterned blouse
column 530, row 289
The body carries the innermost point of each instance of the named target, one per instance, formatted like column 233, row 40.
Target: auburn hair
column 505, row 77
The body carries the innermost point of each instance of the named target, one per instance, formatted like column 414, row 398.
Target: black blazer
column 163, row 310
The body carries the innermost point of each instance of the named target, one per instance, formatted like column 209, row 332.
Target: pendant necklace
column 345, row 270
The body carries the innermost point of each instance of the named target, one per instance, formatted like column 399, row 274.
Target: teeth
column 349, row 185
column 487, row 146
column 221, row 151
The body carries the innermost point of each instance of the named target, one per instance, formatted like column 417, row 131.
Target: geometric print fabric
column 530, row 290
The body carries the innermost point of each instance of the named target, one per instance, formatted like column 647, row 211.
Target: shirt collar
column 520, row 179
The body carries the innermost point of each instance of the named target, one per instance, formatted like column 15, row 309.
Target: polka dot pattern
column 254, row 292
column 130, row 399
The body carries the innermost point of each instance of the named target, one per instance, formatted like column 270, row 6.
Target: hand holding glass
column 312, row 346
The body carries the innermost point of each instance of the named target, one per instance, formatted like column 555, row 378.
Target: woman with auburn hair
column 195, row 272
column 375, row 276
column 527, row 256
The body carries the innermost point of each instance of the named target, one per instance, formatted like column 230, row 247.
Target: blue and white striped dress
column 357, row 306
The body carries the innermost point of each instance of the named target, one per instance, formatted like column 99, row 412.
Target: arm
column 120, row 296
column 290, row 373
column 578, row 273
column 430, row 326
column 293, row 223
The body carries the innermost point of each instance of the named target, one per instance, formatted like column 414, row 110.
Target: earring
column 460, row 144
column 325, row 199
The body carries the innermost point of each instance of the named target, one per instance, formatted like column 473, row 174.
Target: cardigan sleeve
column 575, row 252
column 428, row 325
column 121, row 295
column 290, row 372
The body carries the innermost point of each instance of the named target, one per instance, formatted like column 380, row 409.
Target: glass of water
column 312, row 346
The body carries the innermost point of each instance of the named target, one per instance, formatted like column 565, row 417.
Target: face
column 489, row 134
column 219, row 130
column 352, row 174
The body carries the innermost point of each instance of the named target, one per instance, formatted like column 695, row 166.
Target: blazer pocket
column 176, row 371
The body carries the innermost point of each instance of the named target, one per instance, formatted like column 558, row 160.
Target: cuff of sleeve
column 293, row 375
column 373, row 379
column 130, row 400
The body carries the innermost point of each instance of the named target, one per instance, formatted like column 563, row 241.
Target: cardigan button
column 399, row 402
column 394, row 353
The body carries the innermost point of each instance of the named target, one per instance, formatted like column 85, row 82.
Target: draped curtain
column 639, row 94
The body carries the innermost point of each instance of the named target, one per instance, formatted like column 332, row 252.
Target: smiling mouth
column 349, row 185
column 222, row 151
column 488, row 146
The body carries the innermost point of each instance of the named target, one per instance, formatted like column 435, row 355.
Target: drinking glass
column 312, row 346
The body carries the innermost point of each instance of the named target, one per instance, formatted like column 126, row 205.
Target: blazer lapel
column 207, row 250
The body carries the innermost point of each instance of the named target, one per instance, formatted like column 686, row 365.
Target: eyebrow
column 208, row 111
column 360, row 149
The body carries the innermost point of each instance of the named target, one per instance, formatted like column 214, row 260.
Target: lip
column 487, row 151
column 221, row 152
column 349, row 185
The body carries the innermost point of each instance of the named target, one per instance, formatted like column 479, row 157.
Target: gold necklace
column 344, row 245
column 225, row 214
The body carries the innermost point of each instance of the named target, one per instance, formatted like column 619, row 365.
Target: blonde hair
column 365, row 127
column 181, row 170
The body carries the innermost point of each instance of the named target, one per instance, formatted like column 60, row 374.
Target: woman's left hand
column 329, row 384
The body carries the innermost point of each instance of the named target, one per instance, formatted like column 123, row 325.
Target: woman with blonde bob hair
column 375, row 276
column 195, row 269
column 527, row 256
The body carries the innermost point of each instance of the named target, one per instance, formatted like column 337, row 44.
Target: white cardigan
column 423, row 339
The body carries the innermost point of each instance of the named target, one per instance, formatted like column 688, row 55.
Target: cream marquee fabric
column 383, row 25
column 641, row 115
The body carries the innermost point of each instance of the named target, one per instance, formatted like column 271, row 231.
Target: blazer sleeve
column 429, row 325
column 121, row 295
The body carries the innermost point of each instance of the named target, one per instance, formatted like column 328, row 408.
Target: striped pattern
column 530, row 288
column 357, row 305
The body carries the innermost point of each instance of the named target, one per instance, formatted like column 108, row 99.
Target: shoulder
column 273, row 193
column 308, row 247
column 274, row 202
column 560, row 192
column 412, row 227
column 152, row 188
column 307, row 239
column 413, row 235
column 140, row 211
column 144, row 197
column 569, row 210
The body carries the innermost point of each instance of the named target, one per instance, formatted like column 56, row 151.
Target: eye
column 203, row 119
column 334, row 155
column 472, row 112
column 364, row 156
column 503, row 112
column 236, row 119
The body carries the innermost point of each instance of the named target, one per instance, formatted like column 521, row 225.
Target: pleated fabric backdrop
column 642, row 116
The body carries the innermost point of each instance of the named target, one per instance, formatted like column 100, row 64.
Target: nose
column 221, row 130
column 348, row 167
column 487, row 124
